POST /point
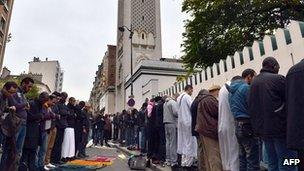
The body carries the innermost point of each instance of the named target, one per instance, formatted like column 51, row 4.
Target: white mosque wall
column 147, row 86
column 286, row 45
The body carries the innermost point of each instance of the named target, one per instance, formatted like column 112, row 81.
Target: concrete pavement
column 119, row 164
column 130, row 153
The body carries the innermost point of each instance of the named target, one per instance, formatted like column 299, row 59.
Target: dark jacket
column 63, row 111
column 86, row 120
column 33, row 133
column 116, row 121
column 193, row 109
column 152, row 118
column 207, row 116
column 238, row 99
column 122, row 123
column 47, row 115
column 3, row 105
column 54, row 110
column 99, row 123
column 71, row 117
column 295, row 106
column 159, row 117
column 108, row 124
column 267, row 105
column 19, row 101
column 142, row 117
column 130, row 121
column 80, row 122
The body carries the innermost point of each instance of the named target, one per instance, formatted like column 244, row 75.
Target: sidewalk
column 130, row 153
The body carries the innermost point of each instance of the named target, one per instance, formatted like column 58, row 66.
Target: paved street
column 120, row 162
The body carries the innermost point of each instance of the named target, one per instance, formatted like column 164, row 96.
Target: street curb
column 130, row 153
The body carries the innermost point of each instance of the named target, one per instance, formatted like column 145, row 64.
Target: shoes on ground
column 168, row 163
column 46, row 168
column 50, row 165
column 162, row 164
column 63, row 161
column 155, row 161
column 59, row 163
column 80, row 156
column 77, row 157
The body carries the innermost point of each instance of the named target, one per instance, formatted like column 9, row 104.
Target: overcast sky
column 76, row 33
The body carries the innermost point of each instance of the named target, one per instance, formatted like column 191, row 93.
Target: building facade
column 150, row 76
column 96, row 90
column 52, row 74
column 107, row 100
column 103, row 92
column 6, row 7
column 286, row 45
column 143, row 18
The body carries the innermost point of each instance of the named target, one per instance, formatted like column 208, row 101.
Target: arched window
column 143, row 36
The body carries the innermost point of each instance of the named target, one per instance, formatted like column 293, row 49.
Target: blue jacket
column 238, row 96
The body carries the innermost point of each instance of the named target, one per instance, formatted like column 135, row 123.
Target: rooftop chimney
column 36, row 59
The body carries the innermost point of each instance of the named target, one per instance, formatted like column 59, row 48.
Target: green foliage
column 34, row 93
column 180, row 78
column 3, row 81
column 218, row 28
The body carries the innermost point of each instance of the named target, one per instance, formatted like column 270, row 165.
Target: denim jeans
column 142, row 139
column 1, row 138
column 8, row 158
column 263, row 155
column 98, row 137
column 276, row 150
column 136, row 134
column 130, row 136
column 122, row 137
column 248, row 147
column 20, row 136
column 42, row 151
column 84, row 141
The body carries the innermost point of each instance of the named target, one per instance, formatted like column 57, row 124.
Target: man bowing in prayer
column 187, row 145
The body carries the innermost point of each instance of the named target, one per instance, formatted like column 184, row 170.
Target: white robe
column 229, row 147
column 186, row 143
column 68, row 144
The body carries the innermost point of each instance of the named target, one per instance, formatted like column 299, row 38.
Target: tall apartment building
column 52, row 74
column 103, row 92
column 6, row 7
column 107, row 99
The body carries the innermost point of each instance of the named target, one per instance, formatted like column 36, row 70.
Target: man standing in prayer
column 229, row 147
column 207, row 127
column 186, row 142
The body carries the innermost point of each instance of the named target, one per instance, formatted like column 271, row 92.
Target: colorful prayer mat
column 97, row 161
column 92, row 164
column 67, row 167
